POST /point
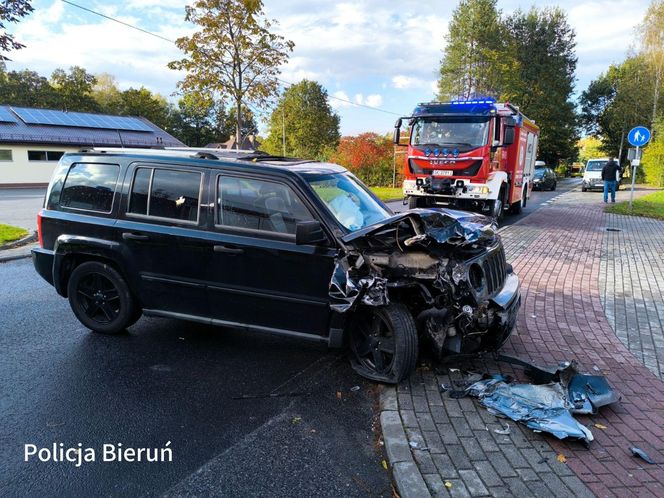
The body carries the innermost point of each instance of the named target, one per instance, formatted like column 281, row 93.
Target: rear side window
column 166, row 193
column 90, row 187
column 259, row 205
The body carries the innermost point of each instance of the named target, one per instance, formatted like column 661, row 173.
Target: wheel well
column 71, row 261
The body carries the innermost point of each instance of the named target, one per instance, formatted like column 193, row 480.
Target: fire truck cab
column 476, row 155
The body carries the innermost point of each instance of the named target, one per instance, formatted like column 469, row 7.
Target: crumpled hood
column 445, row 226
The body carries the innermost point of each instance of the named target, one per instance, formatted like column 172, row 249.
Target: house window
column 44, row 155
column 5, row 155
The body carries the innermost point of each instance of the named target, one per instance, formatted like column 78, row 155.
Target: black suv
column 271, row 244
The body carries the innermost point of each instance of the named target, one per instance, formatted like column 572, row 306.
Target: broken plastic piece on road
column 504, row 431
column 549, row 404
column 638, row 452
column 355, row 388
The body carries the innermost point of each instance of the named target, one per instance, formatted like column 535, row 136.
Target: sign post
column 638, row 137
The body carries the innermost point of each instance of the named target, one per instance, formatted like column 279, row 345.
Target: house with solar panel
column 33, row 140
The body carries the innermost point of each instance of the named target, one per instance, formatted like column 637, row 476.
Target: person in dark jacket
column 610, row 175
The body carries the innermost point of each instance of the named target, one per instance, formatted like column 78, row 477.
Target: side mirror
column 396, row 137
column 309, row 232
column 508, row 138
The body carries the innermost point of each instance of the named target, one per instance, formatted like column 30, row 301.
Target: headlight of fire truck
column 478, row 189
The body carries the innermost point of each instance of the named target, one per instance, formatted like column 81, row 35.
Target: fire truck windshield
column 465, row 133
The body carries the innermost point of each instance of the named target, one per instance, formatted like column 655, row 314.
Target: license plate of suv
column 442, row 172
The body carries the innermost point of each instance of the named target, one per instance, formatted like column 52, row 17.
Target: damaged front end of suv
column 431, row 277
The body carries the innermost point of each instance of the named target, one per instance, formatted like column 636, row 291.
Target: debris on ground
column 638, row 452
column 548, row 404
column 600, row 426
column 296, row 420
column 561, row 458
column 355, row 388
column 504, row 431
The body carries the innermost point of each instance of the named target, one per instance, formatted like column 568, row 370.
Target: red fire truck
column 475, row 155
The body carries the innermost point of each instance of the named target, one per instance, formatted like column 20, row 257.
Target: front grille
column 494, row 266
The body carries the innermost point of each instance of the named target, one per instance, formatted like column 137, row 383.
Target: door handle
column 134, row 236
column 228, row 250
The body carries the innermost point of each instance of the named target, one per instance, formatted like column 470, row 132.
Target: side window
column 258, row 205
column 166, row 193
column 90, row 187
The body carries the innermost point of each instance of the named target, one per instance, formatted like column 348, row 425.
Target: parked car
column 544, row 178
column 592, row 175
column 271, row 244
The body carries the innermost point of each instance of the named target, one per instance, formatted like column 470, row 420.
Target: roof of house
column 23, row 125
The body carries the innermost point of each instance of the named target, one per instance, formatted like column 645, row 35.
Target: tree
column 228, row 121
column 195, row 122
column 652, row 31
column 653, row 156
column 142, row 102
column 618, row 100
column 234, row 55
column 26, row 89
column 369, row 156
column 477, row 60
column 304, row 117
column 11, row 11
column 590, row 147
column 73, row 90
column 107, row 94
column 544, row 47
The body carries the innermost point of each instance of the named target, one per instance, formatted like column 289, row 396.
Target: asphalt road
column 19, row 206
column 204, row 389
column 537, row 199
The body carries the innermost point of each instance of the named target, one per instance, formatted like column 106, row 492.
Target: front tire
column 384, row 343
column 415, row 202
column 100, row 298
column 498, row 206
column 553, row 187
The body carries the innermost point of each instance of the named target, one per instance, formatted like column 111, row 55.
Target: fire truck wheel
column 517, row 207
column 498, row 207
column 416, row 202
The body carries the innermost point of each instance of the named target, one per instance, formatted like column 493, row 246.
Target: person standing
column 610, row 173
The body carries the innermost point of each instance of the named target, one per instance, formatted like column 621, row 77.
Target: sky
column 379, row 53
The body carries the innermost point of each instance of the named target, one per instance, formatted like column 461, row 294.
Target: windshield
column 348, row 201
column 539, row 172
column 471, row 132
column 595, row 165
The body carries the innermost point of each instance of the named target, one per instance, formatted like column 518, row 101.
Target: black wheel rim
column 373, row 342
column 99, row 297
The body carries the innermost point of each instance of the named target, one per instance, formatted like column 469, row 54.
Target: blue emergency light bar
column 473, row 102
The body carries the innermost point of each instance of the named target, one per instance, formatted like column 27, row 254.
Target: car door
column 258, row 275
column 163, row 235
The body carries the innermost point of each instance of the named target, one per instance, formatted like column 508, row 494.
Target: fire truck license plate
column 442, row 172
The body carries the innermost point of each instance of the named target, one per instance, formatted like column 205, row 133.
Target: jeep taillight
column 39, row 229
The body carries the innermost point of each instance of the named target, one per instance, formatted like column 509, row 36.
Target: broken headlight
column 476, row 277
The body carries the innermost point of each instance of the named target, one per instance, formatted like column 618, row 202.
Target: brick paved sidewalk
column 559, row 253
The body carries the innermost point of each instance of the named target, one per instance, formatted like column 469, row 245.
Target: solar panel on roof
column 6, row 116
column 79, row 119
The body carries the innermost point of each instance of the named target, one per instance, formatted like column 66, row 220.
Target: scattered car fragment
column 638, row 452
column 549, row 404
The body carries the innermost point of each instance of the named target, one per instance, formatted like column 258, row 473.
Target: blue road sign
column 638, row 136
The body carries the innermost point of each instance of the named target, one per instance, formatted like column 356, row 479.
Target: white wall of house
column 21, row 170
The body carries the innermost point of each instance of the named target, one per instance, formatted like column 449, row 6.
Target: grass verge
column 650, row 206
column 388, row 193
column 9, row 233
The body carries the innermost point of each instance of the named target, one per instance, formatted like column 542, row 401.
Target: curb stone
column 407, row 475
column 31, row 237
column 22, row 252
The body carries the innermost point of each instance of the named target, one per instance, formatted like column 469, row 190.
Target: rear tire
column 100, row 298
column 384, row 343
column 583, row 189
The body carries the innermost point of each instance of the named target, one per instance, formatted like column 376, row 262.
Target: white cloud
column 341, row 100
column 359, row 99
column 374, row 100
